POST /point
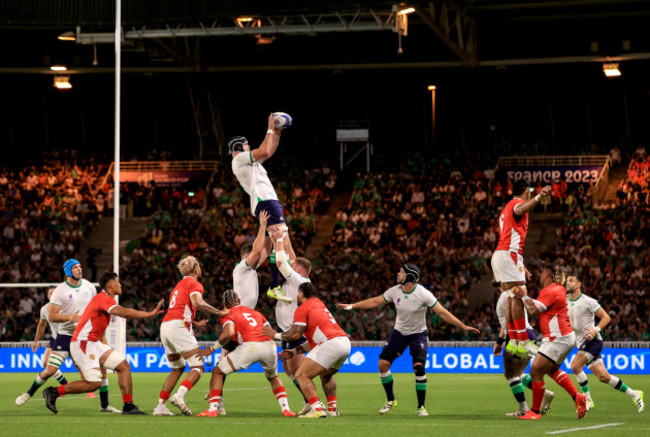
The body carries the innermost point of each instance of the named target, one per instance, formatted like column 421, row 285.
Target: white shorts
column 331, row 354
column 176, row 338
column 251, row 352
column 508, row 266
column 86, row 355
column 558, row 349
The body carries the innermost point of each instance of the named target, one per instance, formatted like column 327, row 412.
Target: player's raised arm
column 259, row 251
column 270, row 144
column 130, row 313
column 530, row 204
column 367, row 304
column 200, row 304
column 292, row 334
column 452, row 320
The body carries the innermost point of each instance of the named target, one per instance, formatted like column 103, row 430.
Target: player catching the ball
column 247, row 167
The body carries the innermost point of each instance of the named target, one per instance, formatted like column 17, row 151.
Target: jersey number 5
column 172, row 301
column 250, row 319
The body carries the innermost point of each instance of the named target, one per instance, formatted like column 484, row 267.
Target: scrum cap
column 412, row 273
column 236, row 144
column 68, row 265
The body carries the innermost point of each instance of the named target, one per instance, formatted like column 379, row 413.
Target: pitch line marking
column 605, row 425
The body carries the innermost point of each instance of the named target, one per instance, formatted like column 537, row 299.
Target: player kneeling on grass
column 90, row 354
column 329, row 346
column 254, row 346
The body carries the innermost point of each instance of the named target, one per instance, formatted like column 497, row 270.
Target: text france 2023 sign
column 361, row 360
column 572, row 175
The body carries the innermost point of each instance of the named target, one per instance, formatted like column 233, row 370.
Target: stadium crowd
column 434, row 212
column 47, row 210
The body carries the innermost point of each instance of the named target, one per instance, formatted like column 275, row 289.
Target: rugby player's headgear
column 68, row 265
column 236, row 144
column 412, row 273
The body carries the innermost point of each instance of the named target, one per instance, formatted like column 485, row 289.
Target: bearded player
column 582, row 310
column 508, row 261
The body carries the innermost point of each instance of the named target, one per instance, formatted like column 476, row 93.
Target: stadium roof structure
column 205, row 35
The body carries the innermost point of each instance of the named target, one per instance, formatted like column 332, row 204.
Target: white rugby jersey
column 72, row 299
column 582, row 312
column 284, row 311
column 501, row 313
column 411, row 308
column 253, row 179
column 246, row 284
column 54, row 327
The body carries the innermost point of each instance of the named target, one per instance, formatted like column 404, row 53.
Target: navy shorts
column 51, row 344
column 62, row 343
column 398, row 342
column 293, row 344
column 593, row 347
column 274, row 208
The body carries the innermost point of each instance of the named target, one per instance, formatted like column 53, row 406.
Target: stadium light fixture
column 62, row 82
column 433, row 89
column 67, row 36
column 58, row 68
column 406, row 11
column 244, row 19
column 611, row 69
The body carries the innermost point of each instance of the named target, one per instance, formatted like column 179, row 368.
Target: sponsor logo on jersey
column 91, row 356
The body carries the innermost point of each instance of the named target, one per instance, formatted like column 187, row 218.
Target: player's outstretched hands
column 200, row 324
column 271, row 125
column 519, row 292
column 267, row 330
column 224, row 312
column 286, row 354
column 344, row 306
column 497, row 350
column 158, row 308
column 546, row 191
column 264, row 218
column 205, row 352
column 34, row 346
column 471, row 329
column 529, row 275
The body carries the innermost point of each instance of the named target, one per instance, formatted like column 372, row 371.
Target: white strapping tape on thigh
column 113, row 360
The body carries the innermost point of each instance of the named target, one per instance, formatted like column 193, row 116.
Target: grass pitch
column 458, row 405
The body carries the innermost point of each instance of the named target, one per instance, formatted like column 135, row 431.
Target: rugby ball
column 282, row 120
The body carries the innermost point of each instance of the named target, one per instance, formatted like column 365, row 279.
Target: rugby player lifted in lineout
column 247, row 167
column 508, row 261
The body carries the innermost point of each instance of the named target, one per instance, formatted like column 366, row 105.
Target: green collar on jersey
column 409, row 292
column 578, row 298
column 73, row 286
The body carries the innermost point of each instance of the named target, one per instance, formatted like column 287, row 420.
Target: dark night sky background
column 566, row 105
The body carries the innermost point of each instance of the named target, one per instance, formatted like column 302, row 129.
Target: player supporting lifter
column 582, row 310
column 247, row 167
column 67, row 303
column 178, row 338
column 328, row 347
column 254, row 346
column 508, row 261
column 515, row 365
column 246, row 283
column 91, row 354
column 411, row 303
column 296, row 272
column 559, row 339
